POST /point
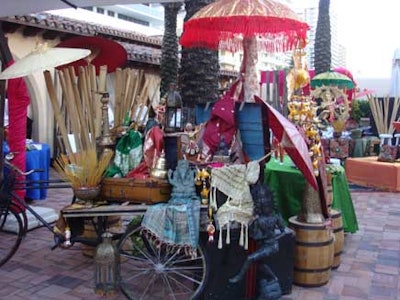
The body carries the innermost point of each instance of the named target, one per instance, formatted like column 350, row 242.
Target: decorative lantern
column 106, row 273
column 173, row 122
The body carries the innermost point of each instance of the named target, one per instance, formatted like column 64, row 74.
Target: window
column 133, row 20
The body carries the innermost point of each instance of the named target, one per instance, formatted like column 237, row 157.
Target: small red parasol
column 293, row 142
column 103, row 52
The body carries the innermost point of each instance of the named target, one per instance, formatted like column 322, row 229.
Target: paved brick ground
column 369, row 268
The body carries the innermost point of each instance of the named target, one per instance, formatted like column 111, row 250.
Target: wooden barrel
column 313, row 253
column 337, row 227
column 114, row 224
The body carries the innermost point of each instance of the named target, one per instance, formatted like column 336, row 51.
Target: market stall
column 216, row 164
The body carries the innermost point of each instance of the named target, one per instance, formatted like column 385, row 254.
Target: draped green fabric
column 287, row 184
column 342, row 201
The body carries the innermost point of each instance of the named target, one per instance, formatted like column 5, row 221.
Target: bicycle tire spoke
column 179, row 283
column 167, row 283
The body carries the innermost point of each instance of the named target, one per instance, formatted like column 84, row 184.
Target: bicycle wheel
column 11, row 232
column 151, row 272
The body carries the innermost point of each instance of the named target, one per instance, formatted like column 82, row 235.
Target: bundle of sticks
column 80, row 112
column 381, row 111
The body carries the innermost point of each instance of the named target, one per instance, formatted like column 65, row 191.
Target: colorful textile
column 176, row 223
column 234, row 182
column 222, row 122
column 18, row 101
column 129, row 152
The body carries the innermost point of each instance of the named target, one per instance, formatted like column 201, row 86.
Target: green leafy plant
column 365, row 109
column 355, row 111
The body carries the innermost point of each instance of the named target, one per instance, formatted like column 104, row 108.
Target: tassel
column 241, row 238
column 210, row 231
column 228, row 234
column 213, row 198
column 220, row 239
column 246, row 244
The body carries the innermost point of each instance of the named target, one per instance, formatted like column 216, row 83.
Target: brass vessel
column 160, row 168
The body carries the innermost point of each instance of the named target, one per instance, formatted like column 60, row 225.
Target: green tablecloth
column 287, row 184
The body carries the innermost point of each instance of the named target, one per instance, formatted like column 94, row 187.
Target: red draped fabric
column 18, row 101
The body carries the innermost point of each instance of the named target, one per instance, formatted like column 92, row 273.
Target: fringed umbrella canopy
column 332, row 78
column 251, row 25
column 224, row 23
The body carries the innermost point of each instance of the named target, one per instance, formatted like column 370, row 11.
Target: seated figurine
column 182, row 181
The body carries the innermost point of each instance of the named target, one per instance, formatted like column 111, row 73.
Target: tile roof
column 140, row 48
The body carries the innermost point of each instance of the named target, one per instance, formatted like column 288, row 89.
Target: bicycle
column 13, row 209
column 146, row 271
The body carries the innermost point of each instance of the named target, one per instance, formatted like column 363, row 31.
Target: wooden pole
column 58, row 115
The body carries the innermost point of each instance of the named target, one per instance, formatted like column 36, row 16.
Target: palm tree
column 199, row 70
column 170, row 53
column 322, row 47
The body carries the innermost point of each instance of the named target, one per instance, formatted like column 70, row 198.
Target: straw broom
column 87, row 171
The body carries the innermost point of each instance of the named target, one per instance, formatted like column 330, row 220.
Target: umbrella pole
column 311, row 209
column 248, row 68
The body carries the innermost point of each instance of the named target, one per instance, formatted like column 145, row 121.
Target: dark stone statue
column 182, row 181
column 262, row 229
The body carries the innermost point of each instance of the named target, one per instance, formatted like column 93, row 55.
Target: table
column 38, row 158
column 368, row 171
column 287, row 183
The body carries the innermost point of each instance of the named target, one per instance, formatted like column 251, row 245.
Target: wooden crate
column 134, row 190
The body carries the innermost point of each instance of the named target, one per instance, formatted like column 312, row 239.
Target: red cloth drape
column 18, row 101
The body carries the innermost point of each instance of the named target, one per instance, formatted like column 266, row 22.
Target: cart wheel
column 150, row 272
column 10, row 237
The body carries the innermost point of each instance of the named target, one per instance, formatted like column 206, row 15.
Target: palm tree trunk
column 199, row 70
column 169, row 56
column 322, row 47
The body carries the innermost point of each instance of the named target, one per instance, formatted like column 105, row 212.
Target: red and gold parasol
column 249, row 24
column 224, row 22
column 293, row 142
